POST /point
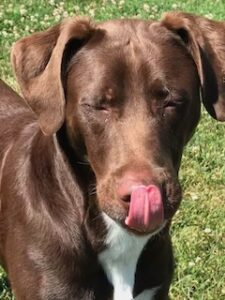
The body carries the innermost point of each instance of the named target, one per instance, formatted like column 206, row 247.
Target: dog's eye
column 101, row 107
column 96, row 107
column 174, row 103
column 97, row 104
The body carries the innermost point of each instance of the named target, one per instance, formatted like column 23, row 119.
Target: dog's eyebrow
column 179, row 94
column 109, row 94
column 158, row 89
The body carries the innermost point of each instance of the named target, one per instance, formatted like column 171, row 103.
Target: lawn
column 199, row 227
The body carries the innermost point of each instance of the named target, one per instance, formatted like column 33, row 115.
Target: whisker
column 82, row 163
column 92, row 193
column 99, row 216
column 92, row 184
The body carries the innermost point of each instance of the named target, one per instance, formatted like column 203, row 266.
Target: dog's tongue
column 146, row 209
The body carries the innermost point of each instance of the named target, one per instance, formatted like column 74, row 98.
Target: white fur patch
column 147, row 294
column 119, row 260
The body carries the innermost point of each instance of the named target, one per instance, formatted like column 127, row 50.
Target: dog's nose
column 130, row 181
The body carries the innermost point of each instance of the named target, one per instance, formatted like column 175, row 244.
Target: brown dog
column 88, row 171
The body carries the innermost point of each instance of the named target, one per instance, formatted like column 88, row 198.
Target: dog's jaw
column 119, row 260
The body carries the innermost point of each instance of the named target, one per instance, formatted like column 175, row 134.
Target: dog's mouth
column 146, row 211
column 142, row 212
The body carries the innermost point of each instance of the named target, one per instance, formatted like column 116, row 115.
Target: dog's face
column 135, row 107
column 132, row 101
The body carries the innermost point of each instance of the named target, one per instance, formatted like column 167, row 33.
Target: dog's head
column 129, row 94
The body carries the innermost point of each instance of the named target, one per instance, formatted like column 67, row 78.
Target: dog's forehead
column 134, row 52
column 119, row 33
column 129, row 41
column 142, row 30
column 139, row 42
column 125, row 27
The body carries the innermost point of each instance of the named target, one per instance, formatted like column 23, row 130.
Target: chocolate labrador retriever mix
column 89, row 168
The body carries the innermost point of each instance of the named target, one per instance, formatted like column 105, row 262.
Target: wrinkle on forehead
column 124, row 26
column 120, row 33
column 128, row 49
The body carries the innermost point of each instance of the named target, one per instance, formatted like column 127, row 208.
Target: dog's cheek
column 108, row 202
column 173, row 197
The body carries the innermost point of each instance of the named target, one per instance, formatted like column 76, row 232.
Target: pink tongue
column 146, row 209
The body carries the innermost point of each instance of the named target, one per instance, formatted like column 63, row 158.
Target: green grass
column 199, row 227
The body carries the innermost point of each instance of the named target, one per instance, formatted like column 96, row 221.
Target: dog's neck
column 119, row 260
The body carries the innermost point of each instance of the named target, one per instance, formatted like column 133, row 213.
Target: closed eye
column 95, row 107
column 174, row 103
column 101, row 107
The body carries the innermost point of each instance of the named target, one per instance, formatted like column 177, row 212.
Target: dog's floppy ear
column 205, row 39
column 37, row 62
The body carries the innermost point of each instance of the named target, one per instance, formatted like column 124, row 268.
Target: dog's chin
column 145, row 231
column 112, row 221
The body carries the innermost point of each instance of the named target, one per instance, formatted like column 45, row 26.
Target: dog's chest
column 119, row 261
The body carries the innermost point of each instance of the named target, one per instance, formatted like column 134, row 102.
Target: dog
column 89, row 161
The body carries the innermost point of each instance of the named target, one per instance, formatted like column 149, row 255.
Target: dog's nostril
column 126, row 198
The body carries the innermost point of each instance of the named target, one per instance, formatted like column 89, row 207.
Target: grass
column 199, row 227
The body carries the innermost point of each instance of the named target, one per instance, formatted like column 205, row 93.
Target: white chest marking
column 119, row 260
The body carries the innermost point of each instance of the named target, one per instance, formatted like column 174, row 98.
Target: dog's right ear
column 37, row 62
column 205, row 40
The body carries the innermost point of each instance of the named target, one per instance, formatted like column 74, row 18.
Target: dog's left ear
column 205, row 40
column 39, row 62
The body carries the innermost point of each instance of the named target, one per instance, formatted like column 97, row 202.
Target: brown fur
column 106, row 101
